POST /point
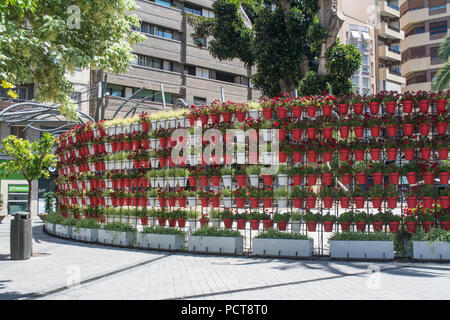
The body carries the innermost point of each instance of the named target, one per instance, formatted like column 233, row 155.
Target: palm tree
column 443, row 76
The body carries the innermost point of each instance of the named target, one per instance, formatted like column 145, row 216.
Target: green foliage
column 54, row 218
column 277, row 217
column 215, row 232
column 87, row 223
column 442, row 78
column 69, row 221
column 362, row 236
column 119, row 226
column 274, row 234
column 49, row 198
column 163, row 230
column 42, row 40
column 433, row 235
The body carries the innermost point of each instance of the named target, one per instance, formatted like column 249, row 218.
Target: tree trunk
column 29, row 195
column 286, row 86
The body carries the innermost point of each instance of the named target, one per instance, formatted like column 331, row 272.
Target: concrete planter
column 160, row 241
column 63, row 231
column 283, row 247
column 50, row 227
column 118, row 238
column 362, row 249
column 426, row 250
column 215, row 244
column 85, row 234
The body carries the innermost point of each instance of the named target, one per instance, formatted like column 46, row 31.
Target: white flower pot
column 254, row 180
column 283, row 179
column 267, row 157
column 192, row 140
column 193, row 224
column 151, row 202
column 282, row 203
column 154, row 162
column 117, row 165
column 154, row 124
column 181, row 122
column 193, row 160
column 227, row 181
column 181, row 181
column 227, row 202
column 283, row 247
column 171, row 181
column 253, row 113
column 153, row 142
column 295, row 225
column 108, row 147
column 162, row 124
column 128, row 128
column 172, row 123
column 191, row 201
column 160, row 182
column 266, row 134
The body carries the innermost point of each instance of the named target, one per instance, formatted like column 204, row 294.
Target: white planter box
column 426, row 250
column 154, row 162
column 117, row 238
column 85, row 234
column 50, row 227
column 215, row 244
column 362, row 249
column 283, row 247
column 181, row 181
column 192, row 224
column 160, row 241
column 63, row 231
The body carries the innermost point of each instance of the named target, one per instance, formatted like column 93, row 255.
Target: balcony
column 419, row 39
column 159, row 48
column 387, row 53
column 389, row 9
column 391, row 75
column 417, row 86
column 415, row 65
column 416, row 16
column 391, row 32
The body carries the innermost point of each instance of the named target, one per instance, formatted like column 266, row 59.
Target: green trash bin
column 21, row 236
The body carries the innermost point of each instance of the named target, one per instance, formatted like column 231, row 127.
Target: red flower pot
column 281, row 225
column 359, row 154
column 392, row 153
column 205, row 201
column 375, row 154
column 326, row 110
column 427, row 202
column 441, row 105
column 297, row 133
column 282, row 112
column 296, row 157
column 425, row 153
column 427, row 225
column 228, row 223
column 345, row 202
column 172, row 201
column 411, row 226
column 345, row 225
column 411, row 202
column 240, row 116
column 172, row 223
column 327, row 202
column 144, row 221
column 344, row 131
column 215, row 118
column 411, row 177
column 443, row 153
column 254, row 202
column 344, row 154
column 392, row 202
column 162, row 161
column 282, row 134
column 162, row 221
column 393, row 226
column 408, row 129
column 443, row 177
column 359, row 202
column 375, row 131
column 407, row 106
column 311, row 111
column 192, row 119
column 327, row 178
column 204, row 119
column 327, row 132
column 377, row 226
column 297, row 111
column 441, row 128
column 343, row 109
column 327, row 156
column 203, row 222
column 374, row 107
column 182, row 201
column 215, row 181
column 267, row 113
column 162, row 202
column 240, row 202
column 311, row 179
column 267, row 224
column 268, row 179
column 311, row 133
column 390, row 106
column 163, row 141
column 378, row 177
column 445, row 225
column 391, row 130
column 267, row 202
column 424, row 128
column 376, row 202
column 359, row 132
column 409, row 154
column 347, row 178
column 241, row 180
column 311, row 156
column 444, row 202
column 181, row 222
column 428, row 177
column 298, row 203
column 358, row 108
column 254, row 224
column 204, row 181
column 192, row 181
column 282, row 157
column 297, row 180
column 226, row 117
column 311, row 202
column 424, row 105
column 361, row 225
column 328, row 226
column 241, row 224
column 361, row 177
column 311, row 226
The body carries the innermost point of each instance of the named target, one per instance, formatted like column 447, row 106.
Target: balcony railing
column 393, row 28
column 393, row 6
column 395, row 72
column 395, row 50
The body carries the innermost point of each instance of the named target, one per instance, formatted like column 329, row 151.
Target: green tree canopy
column 32, row 159
column 41, row 40
column 285, row 41
column 442, row 79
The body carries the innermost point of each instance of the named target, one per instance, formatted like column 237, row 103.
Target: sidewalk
column 133, row 274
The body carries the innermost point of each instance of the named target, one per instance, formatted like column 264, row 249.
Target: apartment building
column 425, row 24
column 169, row 61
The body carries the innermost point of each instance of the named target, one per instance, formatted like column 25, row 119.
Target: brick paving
column 133, row 274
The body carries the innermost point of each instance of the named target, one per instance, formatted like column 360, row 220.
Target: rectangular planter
column 215, row 244
column 362, row 249
column 118, row 238
column 50, row 227
column 426, row 250
column 160, row 241
column 63, row 231
column 283, row 247
column 85, row 234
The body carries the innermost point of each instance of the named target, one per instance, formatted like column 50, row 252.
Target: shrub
column 215, row 232
column 87, row 223
column 274, row 234
column 162, row 230
column 119, row 226
column 362, row 236
column 434, row 234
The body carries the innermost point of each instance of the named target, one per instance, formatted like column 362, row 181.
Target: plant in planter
column 360, row 219
column 254, row 195
column 374, row 102
column 440, row 123
column 253, row 174
column 254, row 219
column 241, row 196
column 327, row 194
column 296, row 174
column 227, row 173
column 410, row 220
column 359, row 196
column 361, row 170
column 282, row 195
column 374, row 124
column 328, row 221
column 344, row 171
column 344, row 197
column 391, row 146
column 311, row 220
column 393, row 221
column 428, row 195
column 211, row 239
column 298, row 195
column 390, row 99
column 357, row 101
column 443, row 171
column 241, row 176
column 342, row 102
column 226, row 195
column 391, row 194
column 281, row 219
column 441, row 144
column 378, row 220
column 345, row 219
column 391, row 124
column 377, row 194
column 410, row 171
column 423, row 99
column 267, row 196
column 344, row 127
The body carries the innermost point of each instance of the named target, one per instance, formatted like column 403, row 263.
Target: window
column 365, row 70
column 365, row 60
column 438, row 27
column 365, row 46
column 202, row 72
column 224, row 77
column 153, row 95
column 355, row 81
column 365, row 82
column 164, row 33
column 153, row 30
column 151, row 62
column 192, row 9
column 189, row 70
column 167, row 3
column 18, row 132
column 115, row 90
column 442, row 6
column 199, row 101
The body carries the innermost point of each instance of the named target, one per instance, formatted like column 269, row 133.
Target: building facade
column 425, row 24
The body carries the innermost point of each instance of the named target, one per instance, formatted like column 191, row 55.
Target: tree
column 41, row 40
column 443, row 76
column 286, row 42
column 32, row 159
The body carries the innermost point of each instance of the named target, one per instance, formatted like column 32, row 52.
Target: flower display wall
column 330, row 148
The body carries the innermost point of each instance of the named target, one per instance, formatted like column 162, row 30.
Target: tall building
column 169, row 61
column 425, row 24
